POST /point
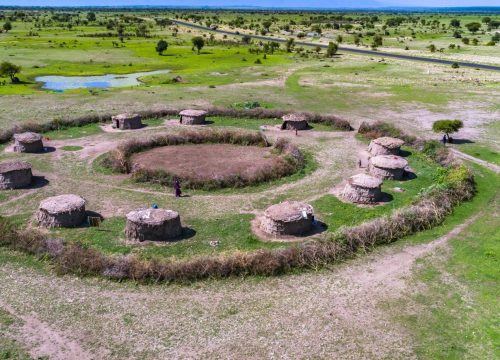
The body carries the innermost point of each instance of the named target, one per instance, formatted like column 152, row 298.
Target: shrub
column 380, row 129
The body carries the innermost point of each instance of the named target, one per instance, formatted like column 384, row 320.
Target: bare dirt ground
column 207, row 161
column 330, row 314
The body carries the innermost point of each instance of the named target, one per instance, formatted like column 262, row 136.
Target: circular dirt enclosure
column 209, row 162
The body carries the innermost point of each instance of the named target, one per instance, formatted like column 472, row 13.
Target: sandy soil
column 334, row 314
column 206, row 161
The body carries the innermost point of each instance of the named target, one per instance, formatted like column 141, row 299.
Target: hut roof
column 28, row 137
column 389, row 142
column 389, row 162
column 365, row 181
column 288, row 211
column 13, row 166
column 192, row 112
column 62, row 203
column 294, row 117
column 125, row 116
column 151, row 216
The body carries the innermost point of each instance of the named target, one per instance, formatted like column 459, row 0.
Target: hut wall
column 277, row 227
column 64, row 219
column 192, row 120
column 383, row 173
column 377, row 149
column 165, row 231
column 32, row 147
column 294, row 125
column 15, row 179
column 361, row 195
column 131, row 123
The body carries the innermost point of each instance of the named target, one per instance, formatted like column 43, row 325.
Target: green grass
column 9, row 349
column 232, row 231
column 480, row 152
column 71, row 148
column 458, row 319
column 73, row 132
column 336, row 213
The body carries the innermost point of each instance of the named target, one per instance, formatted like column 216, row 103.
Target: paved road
column 359, row 51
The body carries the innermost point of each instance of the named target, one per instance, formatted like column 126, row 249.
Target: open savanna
column 430, row 295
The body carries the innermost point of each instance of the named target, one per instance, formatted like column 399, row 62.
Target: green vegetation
column 73, row 132
column 71, row 148
column 473, row 270
column 447, row 126
column 481, row 152
column 336, row 213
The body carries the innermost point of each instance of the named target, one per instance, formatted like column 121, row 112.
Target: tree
column 10, row 70
column 332, row 49
column 455, row 23
column 473, row 27
column 91, row 16
column 290, row 43
column 7, row 26
column 142, row 30
column 377, row 41
column 432, row 48
column 198, row 43
column 447, row 126
column 339, row 39
column 161, row 46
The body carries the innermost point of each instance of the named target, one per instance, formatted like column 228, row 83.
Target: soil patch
column 207, row 161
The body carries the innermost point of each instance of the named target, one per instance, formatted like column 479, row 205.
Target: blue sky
column 263, row 3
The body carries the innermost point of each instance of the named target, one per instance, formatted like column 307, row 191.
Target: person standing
column 177, row 188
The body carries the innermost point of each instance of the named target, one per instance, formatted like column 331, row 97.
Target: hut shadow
column 404, row 153
column 409, row 175
column 317, row 228
column 47, row 149
column 209, row 122
column 386, row 197
column 89, row 215
column 187, row 233
column 38, row 182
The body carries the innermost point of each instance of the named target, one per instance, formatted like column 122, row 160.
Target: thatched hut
column 126, row 121
column 288, row 218
column 385, row 146
column 15, row 175
column 295, row 121
column 61, row 211
column 192, row 117
column 28, row 142
column 363, row 189
column 153, row 224
column 387, row 167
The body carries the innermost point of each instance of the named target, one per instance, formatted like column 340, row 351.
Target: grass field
column 430, row 296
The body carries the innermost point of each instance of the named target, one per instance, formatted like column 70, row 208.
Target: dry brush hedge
column 289, row 161
column 429, row 210
column 258, row 113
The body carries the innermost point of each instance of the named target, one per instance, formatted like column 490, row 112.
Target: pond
column 61, row 83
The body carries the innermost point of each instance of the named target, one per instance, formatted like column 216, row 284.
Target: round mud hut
column 288, row 218
column 28, row 142
column 15, row 175
column 387, row 167
column 153, row 225
column 294, row 122
column 363, row 189
column 192, row 117
column 61, row 211
column 385, row 146
column 126, row 121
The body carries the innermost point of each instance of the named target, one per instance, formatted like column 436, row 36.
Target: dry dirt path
column 481, row 162
column 329, row 314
